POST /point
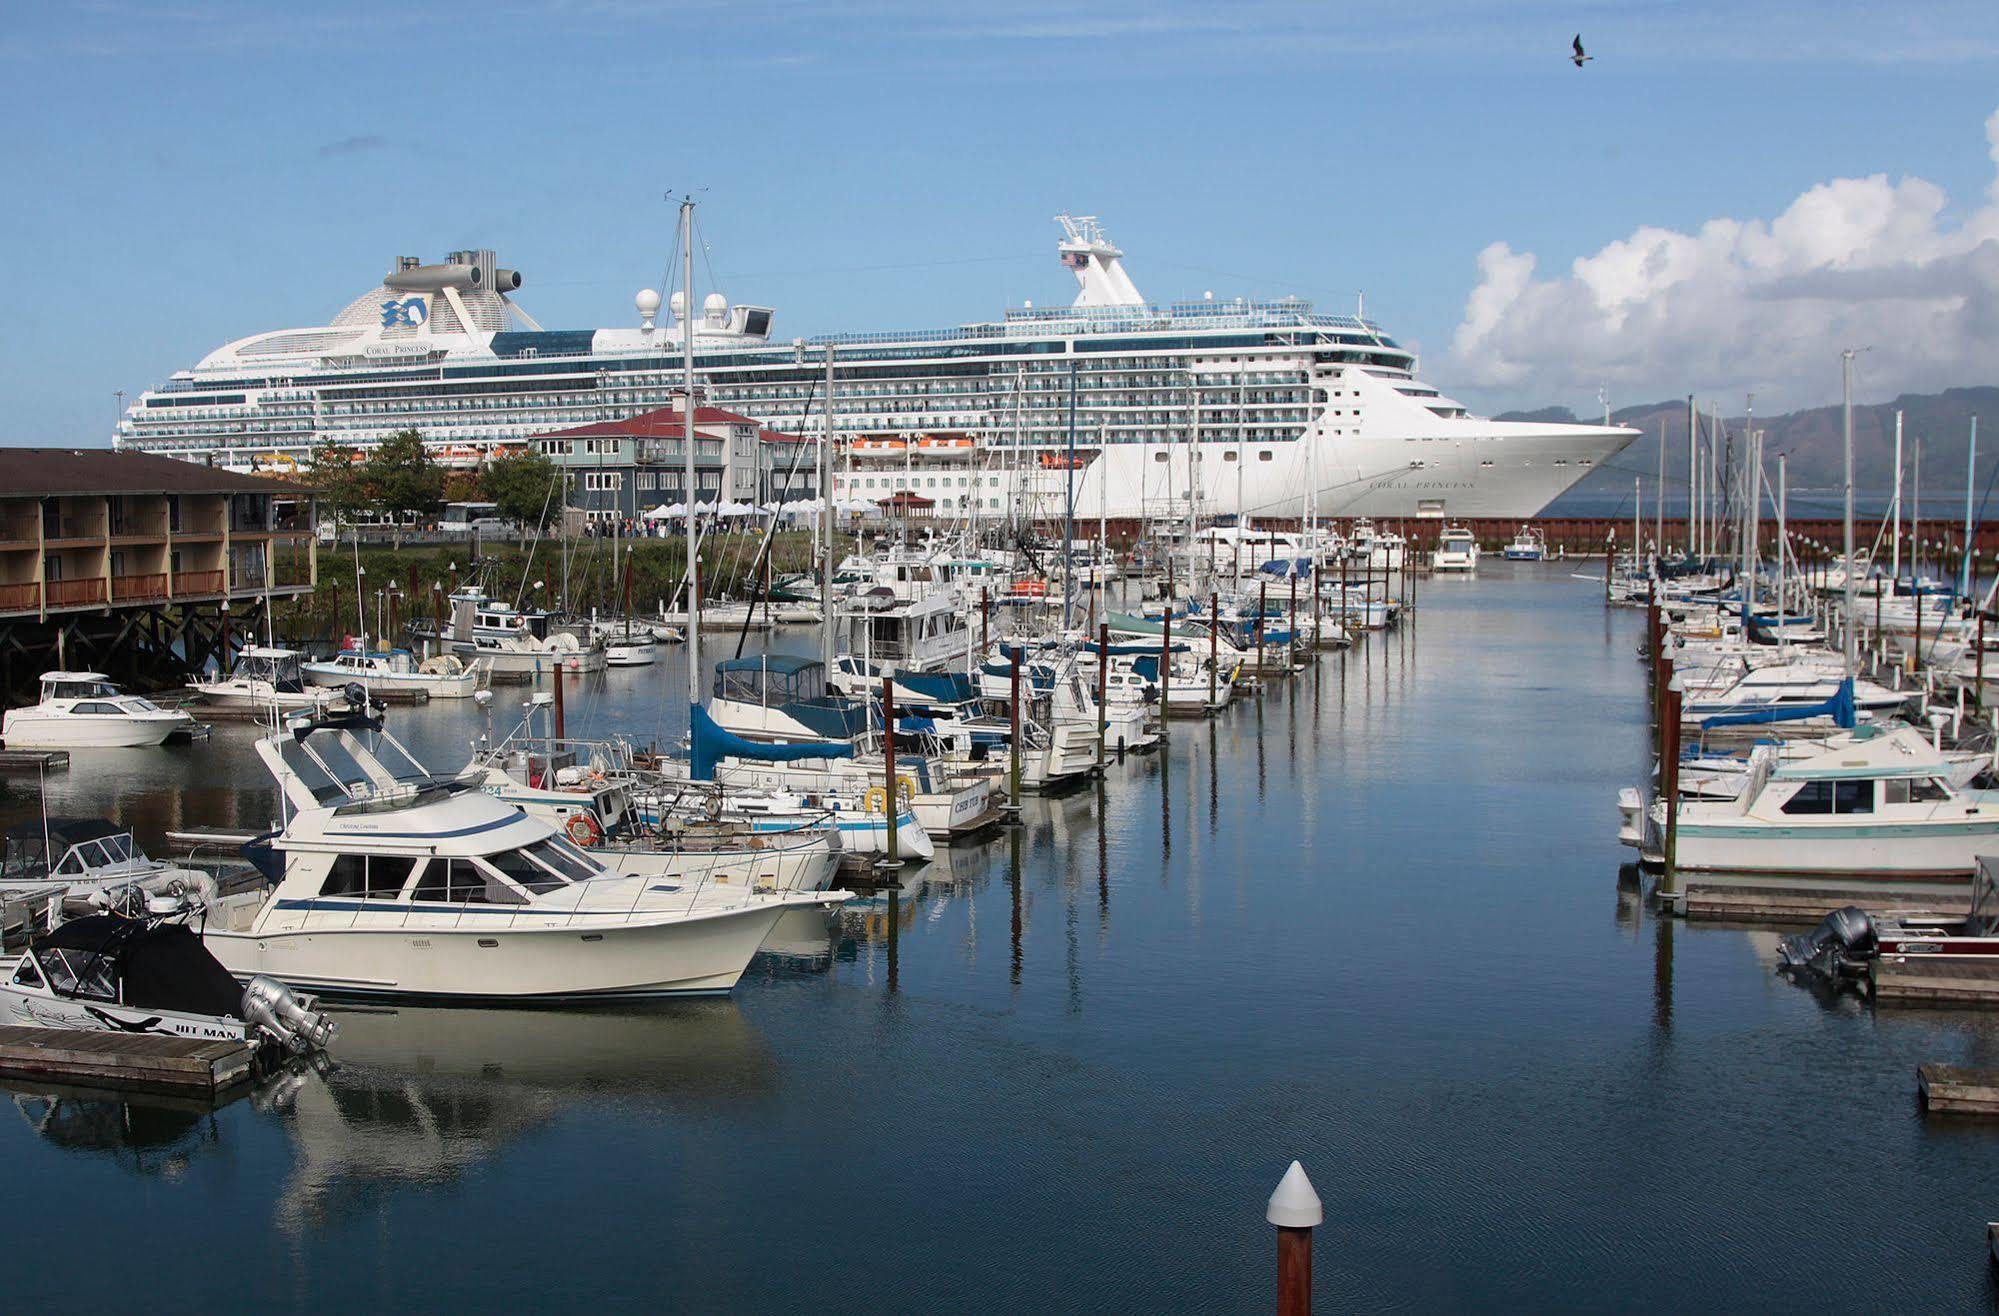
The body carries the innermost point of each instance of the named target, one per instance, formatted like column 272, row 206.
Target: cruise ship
column 1217, row 406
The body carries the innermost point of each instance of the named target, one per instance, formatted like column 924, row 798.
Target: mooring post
column 1013, row 802
column 1978, row 680
column 1296, row 1211
column 1103, row 689
column 892, row 805
column 1262, row 620
column 1669, row 782
column 559, row 720
column 1166, row 658
column 1214, row 650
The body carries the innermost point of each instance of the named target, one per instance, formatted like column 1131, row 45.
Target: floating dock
column 1955, row 1090
column 34, row 760
column 1925, row 980
column 152, row 1062
column 1807, row 900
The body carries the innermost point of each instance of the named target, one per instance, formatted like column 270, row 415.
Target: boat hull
column 384, row 954
column 25, row 728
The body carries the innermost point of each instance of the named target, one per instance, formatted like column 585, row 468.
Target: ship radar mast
column 1097, row 265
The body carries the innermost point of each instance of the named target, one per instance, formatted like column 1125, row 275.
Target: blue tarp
column 709, row 743
column 1286, row 567
column 935, row 687
column 1839, row 708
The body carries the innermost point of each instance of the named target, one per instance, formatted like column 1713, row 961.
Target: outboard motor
column 1839, row 945
column 271, row 1006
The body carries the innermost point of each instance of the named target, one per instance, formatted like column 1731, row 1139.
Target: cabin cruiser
column 927, row 633
column 391, row 881
column 1529, row 545
column 263, row 678
column 396, row 671
column 151, row 974
column 84, row 710
column 1457, row 550
column 1379, row 550
column 627, row 643
column 1877, row 801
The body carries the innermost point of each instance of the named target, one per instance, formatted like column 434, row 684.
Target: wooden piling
column 893, row 805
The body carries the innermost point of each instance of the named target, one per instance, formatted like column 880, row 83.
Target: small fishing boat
column 84, row 710
column 263, row 678
column 1529, row 545
column 442, row 677
column 111, row 973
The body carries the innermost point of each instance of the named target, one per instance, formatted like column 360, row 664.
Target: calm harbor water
column 1371, row 920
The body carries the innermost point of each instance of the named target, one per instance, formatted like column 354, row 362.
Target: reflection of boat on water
column 150, row 1134
column 803, row 935
column 425, row 1094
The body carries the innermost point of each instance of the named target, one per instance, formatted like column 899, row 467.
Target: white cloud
column 1752, row 304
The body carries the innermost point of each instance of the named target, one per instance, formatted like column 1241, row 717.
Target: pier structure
column 141, row 567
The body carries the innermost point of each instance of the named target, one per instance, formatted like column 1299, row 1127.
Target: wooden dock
column 153, row 1062
column 34, row 760
column 1806, row 902
column 1925, row 980
column 1956, row 1090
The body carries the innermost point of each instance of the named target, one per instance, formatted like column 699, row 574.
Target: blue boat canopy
column 709, row 742
column 1839, row 708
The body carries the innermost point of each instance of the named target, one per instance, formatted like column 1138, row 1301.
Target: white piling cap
column 1294, row 1205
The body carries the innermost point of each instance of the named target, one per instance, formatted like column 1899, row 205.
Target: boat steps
column 152, row 1062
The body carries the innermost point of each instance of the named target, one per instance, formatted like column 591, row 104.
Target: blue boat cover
column 709, row 743
column 1839, row 708
column 936, row 687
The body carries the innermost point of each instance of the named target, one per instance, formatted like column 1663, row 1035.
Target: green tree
column 527, row 488
column 400, row 477
column 332, row 471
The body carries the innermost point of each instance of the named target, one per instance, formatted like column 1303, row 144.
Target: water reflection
column 423, row 1095
column 147, row 1135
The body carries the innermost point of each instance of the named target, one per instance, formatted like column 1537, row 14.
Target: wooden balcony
column 197, row 582
column 77, row 593
column 139, row 589
column 25, row 597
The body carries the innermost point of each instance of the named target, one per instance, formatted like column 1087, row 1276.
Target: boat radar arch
column 1098, row 265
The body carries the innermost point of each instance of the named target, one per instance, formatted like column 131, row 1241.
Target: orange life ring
column 584, row 829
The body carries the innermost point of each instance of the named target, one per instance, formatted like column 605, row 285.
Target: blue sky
column 187, row 172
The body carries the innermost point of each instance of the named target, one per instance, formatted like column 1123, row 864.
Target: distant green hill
column 1811, row 439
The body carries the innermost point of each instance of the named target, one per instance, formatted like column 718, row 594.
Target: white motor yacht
column 1873, row 802
column 84, row 710
column 393, row 882
column 1457, row 550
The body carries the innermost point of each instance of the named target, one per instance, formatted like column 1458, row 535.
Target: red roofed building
column 620, row 468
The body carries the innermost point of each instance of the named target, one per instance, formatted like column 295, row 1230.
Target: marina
column 1077, row 981
column 1360, row 671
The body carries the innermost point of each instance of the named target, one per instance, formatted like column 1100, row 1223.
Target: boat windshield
column 82, row 690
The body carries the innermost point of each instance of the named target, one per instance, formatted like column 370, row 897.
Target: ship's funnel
column 506, row 280
column 434, row 278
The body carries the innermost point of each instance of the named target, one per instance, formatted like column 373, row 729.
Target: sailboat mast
column 1970, row 473
column 1895, row 504
column 1693, row 482
column 826, row 520
column 687, row 365
column 1846, row 429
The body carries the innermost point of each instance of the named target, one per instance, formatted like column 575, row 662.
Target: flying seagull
column 1579, row 58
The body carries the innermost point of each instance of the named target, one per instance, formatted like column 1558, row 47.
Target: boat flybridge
column 392, row 881
column 84, row 710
